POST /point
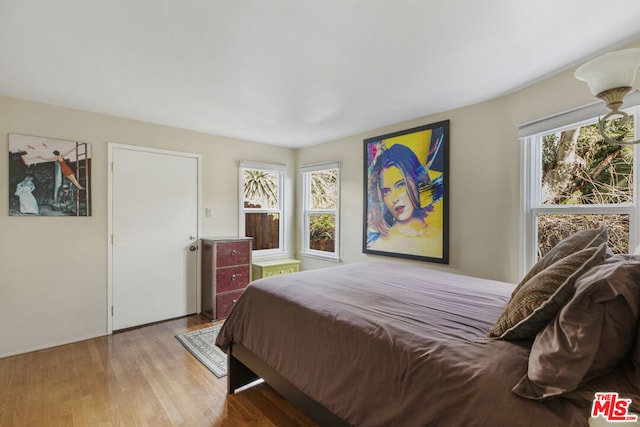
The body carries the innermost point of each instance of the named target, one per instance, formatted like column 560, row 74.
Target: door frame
column 111, row 148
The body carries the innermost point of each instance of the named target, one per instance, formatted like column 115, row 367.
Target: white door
column 154, row 224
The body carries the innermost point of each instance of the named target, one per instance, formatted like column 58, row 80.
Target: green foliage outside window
column 260, row 189
column 579, row 168
column 324, row 195
column 322, row 226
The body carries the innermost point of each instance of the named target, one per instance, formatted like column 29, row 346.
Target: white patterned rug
column 201, row 343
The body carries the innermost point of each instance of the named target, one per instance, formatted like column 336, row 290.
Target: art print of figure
column 405, row 194
column 52, row 177
column 24, row 191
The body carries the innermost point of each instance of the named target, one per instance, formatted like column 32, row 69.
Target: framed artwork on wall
column 49, row 177
column 406, row 194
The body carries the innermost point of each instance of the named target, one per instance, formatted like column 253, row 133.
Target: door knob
column 193, row 248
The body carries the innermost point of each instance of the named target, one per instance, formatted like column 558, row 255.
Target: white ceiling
column 294, row 72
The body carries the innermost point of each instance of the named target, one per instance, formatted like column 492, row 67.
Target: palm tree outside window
column 262, row 206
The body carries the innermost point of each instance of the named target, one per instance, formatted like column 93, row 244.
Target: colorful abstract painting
column 406, row 194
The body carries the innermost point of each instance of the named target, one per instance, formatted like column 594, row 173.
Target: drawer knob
column 233, row 277
column 233, row 252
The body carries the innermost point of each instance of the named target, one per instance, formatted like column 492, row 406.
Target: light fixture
column 610, row 77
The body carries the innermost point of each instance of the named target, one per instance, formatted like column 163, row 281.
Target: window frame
column 281, row 251
column 307, row 211
column 531, row 175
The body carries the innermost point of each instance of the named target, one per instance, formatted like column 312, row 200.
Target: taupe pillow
column 632, row 365
column 592, row 335
column 578, row 241
column 541, row 297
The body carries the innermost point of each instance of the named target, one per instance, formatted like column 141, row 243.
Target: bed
column 384, row 343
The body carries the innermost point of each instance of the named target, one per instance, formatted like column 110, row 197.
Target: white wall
column 53, row 270
column 484, row 177
column 484, row 216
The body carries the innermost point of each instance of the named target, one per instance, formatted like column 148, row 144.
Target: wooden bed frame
column 244, row 368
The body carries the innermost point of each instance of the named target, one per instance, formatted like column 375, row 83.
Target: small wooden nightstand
column 274, row 267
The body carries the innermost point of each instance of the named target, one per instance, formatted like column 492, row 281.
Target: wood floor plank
column 141, row 376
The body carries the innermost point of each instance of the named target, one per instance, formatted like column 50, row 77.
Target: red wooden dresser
column 226, row 272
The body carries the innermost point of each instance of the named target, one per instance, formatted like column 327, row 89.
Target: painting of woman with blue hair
column 405, row 187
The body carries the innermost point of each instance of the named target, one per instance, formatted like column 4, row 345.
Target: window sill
column 271, row 255
column 321, row 256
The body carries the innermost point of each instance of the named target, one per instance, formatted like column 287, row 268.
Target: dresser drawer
column 275, row 267
column 224, row 303
column 233, row 253
column 225, row 272
column 231, row 278
column 279, row 271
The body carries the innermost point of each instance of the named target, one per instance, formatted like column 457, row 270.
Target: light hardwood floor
column 137, row 377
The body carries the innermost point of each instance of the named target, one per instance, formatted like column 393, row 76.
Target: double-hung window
column 573, row 180
column 321, row 197
column 262, row 207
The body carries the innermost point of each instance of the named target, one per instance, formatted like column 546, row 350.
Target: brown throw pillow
column 632, row 364
column 592, row 335
column 578, row 241
column 539, row 299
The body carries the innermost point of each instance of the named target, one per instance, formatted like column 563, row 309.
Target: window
column 262, row 207
column 321, row 191
column 573, row 180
